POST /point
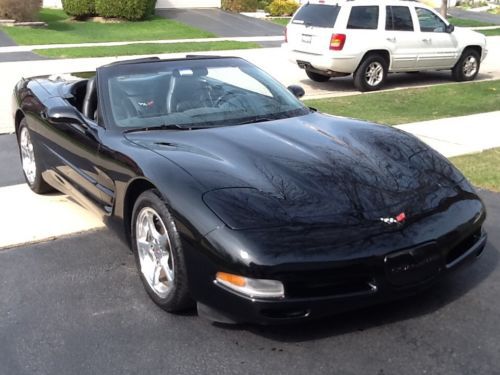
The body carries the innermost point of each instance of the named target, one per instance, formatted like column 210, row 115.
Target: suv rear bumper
column 326, row 63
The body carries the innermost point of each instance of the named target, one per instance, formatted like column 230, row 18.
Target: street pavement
column 76, row 306
column 477, row 16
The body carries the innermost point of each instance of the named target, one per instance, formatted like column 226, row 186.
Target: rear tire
column 158, row 252
column 29, row 161
column 371, row 73
column 317, row 77
column 467, row 67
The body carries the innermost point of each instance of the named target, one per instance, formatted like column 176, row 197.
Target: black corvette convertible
column 235, row 196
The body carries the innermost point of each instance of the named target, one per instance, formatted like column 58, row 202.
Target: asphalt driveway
column 5, row 40
column 10, row 165
column 76, row 306
column 221, row 23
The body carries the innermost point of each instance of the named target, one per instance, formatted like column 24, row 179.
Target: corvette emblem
column 394, row 220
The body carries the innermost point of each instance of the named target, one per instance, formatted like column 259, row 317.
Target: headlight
column 259, row 288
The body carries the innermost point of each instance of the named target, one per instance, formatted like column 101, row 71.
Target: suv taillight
column 337, row 42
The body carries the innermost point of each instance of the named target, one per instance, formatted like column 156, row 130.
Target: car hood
column 308, row 169
column 472, row 37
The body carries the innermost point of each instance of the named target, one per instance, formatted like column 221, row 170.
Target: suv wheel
column 316, row 77
column 467, row 67
column 371, row 73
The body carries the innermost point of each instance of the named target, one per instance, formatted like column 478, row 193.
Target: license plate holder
column 306, row 38
column 413, row 265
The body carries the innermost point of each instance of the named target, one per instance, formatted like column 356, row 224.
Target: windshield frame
column 108, row 72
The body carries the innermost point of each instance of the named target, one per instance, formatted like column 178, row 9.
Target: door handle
column 393, row 39
column 427, row 40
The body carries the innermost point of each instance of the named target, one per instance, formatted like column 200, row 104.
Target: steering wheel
column 232, row 98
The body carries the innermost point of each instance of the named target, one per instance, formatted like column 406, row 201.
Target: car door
column 403, row 41
column 438, row 48
column 72, row 143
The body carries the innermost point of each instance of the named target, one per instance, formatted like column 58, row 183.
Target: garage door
column 163, row 4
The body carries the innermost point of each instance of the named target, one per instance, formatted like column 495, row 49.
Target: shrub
column 19, row 10
column 240, row 5
column 282, row 8
column 132, row 10
column 263, row 4
column 79, row 8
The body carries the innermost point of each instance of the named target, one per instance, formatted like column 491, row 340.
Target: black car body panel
column 309, row 200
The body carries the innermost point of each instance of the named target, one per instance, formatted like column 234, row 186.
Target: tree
column 444, row 8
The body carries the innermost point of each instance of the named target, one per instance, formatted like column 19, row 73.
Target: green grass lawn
column 491, row 32
column 144, row 49
column 481, row 169
column 280, row 21
column 462, row 22
column 61, row 29
column 411, row 105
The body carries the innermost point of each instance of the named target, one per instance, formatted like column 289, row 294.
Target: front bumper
column 329, row 269
column 387, row 278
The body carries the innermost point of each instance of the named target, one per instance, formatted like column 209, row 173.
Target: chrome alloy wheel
column 374, row 73
column 27, row 155
column 155, row 252
column 470, row 66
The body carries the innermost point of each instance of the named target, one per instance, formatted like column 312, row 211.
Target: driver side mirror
column 65, row 115
column 449, row 28
column 296, row 90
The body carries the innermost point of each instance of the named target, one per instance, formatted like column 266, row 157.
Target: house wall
column 52, row 4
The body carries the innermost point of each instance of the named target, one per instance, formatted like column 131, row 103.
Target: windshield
column 194, row 94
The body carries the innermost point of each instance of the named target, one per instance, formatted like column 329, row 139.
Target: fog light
column 260, row 288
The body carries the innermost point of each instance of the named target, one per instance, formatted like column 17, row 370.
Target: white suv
column 371, row 38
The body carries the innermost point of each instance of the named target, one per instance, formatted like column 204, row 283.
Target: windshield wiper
column 256, row 119
column 158, row 127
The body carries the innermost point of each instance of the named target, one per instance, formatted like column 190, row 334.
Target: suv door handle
column 427, row 40
column 393, row 39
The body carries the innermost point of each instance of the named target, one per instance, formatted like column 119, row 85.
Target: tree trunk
column 444, row 8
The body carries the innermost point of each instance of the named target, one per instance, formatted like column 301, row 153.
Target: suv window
column 429, row 22
column 363, row 17
column 398, row 18
column 317, row 15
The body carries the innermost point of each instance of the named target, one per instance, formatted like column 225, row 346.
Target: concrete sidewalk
column 27, row 48
column 459, row 135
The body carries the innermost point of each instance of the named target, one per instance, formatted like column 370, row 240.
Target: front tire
column 371, row 73
column 467, row 67
column 31, row 167
column 158, row 252
column 317, row 77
